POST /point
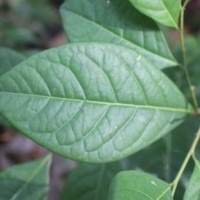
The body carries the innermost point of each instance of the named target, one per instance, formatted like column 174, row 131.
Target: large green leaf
column 26, row 181
column 91, row 102
column 8, row 59
column 90, row 182
column 116, row 21
column 193, row 189
column 163, row 11
column 134, row 185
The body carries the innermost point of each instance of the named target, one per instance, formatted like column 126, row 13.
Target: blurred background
column 31, row 26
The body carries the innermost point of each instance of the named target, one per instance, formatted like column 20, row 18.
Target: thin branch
column 185, row 66
column 183, row 166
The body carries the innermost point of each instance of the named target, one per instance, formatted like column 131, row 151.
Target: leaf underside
column 116, row 21
column 164, row 11
column 26, row 181
column 91, row 102
column 132, row 185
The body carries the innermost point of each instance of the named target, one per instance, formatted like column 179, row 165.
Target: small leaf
column 91, row 102
column 116, row 21
column 26, row 181
column 8, row 59
column 90, row 182
column 164, row 11
column 134, row 185
column 193, row 188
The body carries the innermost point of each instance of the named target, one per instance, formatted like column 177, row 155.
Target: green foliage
column 132, row 185
column 85, row 21
column 82, row 113
column 26, row 181
column 26, row 22
column 104, row 97
column 193, row 189
column 90, row 181
column 193, row 60
column 164, row 11
column 8, row 59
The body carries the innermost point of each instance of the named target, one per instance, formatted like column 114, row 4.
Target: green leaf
column 26, row 181
column 91, row 102
column 90, row 182
column 8, row 59
column 132, row 185
column 116, row 21
column 165, row 157
column 193, row 60
column 193, row 188
column 164, row 11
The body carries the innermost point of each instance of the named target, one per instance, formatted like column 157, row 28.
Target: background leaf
column 163, row 11
column 131, row 185
column 193, row 189
column 165, row 157
column 90, row 181
column 193, row 59
column 91, row 102
column 85, row 21
column 26, row 181
column 8, row 59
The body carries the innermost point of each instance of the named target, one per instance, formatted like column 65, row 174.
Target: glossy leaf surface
column 132, row 185
column 163, row 11
column 193, row 189
column 90, row 182
column 116, row 21
column 91, row 102
column 26, row 181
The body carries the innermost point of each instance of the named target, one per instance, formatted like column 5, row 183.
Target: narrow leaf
column 116, row 21
column 91, row 102
column 26, row 181
column 164, row 11
column 193, row 189
column 132, row 185
column 90, row 182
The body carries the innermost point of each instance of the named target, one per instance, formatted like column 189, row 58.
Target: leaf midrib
column 18, row 192
column 105, row 103
column 150, row 52
column 163, row 193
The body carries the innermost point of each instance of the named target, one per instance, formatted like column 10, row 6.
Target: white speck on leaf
column 153, row 183
column 108, row 1
column 139, row 57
